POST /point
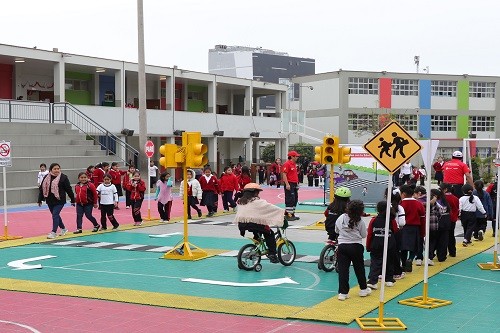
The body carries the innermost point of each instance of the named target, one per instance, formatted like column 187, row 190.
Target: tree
column 268, row 153
column 304, row 149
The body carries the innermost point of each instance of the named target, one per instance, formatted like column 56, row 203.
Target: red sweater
column 116, row 176
column 242, row 181
column 453, row 201
column 414, row 213
column 98, row 176
column 228, row 182
column 210, row 185
column 85, row 194
column 136, row 192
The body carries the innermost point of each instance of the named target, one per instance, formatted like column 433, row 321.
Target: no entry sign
column 149, row 148
column 5, row 159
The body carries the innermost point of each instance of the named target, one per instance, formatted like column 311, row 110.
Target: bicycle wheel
column 248, row 257
column 328, row 258
column 286, row 253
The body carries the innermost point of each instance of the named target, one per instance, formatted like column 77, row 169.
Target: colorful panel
column 462, row 126
column 385, row 92
column 424, row 126
column 6, row 81
column 424, row 94
column 463, row 95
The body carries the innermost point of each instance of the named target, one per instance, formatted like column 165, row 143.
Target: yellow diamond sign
column 392, row 146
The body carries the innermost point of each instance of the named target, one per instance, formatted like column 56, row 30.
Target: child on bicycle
column 258, row 216
column 338, row 207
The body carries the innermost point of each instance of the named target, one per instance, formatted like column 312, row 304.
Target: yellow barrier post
column 381, row 323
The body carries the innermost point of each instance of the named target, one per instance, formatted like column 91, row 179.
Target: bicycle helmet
column 343, row 192
column 467, row 188
column 252, row 187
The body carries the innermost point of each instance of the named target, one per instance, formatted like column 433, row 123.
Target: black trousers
column 227, row 200
column 291, row 198
column 398, row 270
column 457, row 190
column 452, row 242
column 136, row 210
column 193, row 202
column 438, row 244
column 164, row 210
column 469, row 223
column 128, row 202
column 259, row 229
column 376, row 261
column 481, row 223
column 108, row 211
column 346, row 254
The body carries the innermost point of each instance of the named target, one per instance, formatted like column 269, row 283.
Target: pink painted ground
column 38, row 222
column 47, row 313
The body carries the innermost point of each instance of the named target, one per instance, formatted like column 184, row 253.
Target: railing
column 24, row 111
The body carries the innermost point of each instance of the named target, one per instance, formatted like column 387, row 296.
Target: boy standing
column 414, row 228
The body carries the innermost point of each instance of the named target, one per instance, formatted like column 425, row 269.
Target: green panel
column 196, row 105
column 196, row 88
column 80, row 76
column 462, row 127
column 463, row 95
column 79, row 97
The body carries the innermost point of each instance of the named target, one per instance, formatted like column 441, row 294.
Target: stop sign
column 149, row 148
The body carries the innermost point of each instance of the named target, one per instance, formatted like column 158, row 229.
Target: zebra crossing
column 154, row 249
column 360, row 182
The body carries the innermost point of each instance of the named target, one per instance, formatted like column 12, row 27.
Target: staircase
column 36, row 143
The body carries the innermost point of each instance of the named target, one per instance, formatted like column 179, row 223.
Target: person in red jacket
column 116, row 179
column 414, row 228
column 452, row 200
column 90, row 173
column 438, row 170
column 243, row 179
column 276, row 171
column 137, row 187
column 99, row 171
column 86, row 200
column 210, row 188
column 126, row 179
column 228, row 183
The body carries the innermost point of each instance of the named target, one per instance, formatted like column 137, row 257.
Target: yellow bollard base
column 489, row 266
column 429, row 303
column 186, row 251
column 150, row 218
column 319, row 224
column 7, row 237
column 375, row 324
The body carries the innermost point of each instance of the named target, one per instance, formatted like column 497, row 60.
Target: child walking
column 414, row 228
column 210, row 187
column 42, row 173
column 164, row 196
column 338, row 207
column 137, row 187
column 116, row 179
column 481, row 219
column 439, row 226
column 86, row 200
column 126, row 180
column 228, row 184
column 375, row 245
column 468, row 204
column 108, row 201
column 351, row 230
column 194, row 194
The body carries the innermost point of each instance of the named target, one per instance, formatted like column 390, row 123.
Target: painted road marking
column 165, row 235
column 471, row 277
column 70, row 242
column 99, row 244
column 261, row 283
column 21, row 263
column 129, row 247
column 29, row 328
column 161, row 249
column 233, row 253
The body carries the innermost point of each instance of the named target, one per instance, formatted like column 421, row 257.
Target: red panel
column 6, row 81
column 473, row 148
column 178, row 101
column 385, row 89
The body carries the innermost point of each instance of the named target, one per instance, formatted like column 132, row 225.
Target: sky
column 450, row 36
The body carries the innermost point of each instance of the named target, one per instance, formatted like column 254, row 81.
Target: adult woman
column 53, row 191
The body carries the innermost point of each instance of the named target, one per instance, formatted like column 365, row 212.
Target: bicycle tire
column 286, row 253
column 328, row 258
column 248, row 257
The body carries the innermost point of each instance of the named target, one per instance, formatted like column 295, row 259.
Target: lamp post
column 141, row 71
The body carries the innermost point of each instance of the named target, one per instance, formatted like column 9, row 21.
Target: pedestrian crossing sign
column 392, row 146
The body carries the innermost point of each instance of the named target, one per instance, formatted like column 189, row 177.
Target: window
column 444, row 123
column 359, row 121
column 363, row 86
column 444, row 88
column 405, row 87
column 195, row 95
column 163, row 92
column 482, row 124
column 408, row 121
column 482, row 89
column 178, row 93
column 74, row 84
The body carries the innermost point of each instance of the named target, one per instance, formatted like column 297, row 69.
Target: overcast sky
column 450, row 36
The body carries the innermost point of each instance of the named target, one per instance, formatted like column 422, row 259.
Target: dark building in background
column 262, row 65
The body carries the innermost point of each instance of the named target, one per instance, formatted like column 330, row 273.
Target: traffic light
column 318, row 154
column 195, row 150
column 344, row 155
column 171, row 156
column 330, row 149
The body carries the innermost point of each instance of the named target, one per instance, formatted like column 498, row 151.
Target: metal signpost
column 5, row 161
column 149, row 149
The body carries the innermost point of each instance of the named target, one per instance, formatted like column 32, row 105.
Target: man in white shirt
column 405, row 173
column 153, row 169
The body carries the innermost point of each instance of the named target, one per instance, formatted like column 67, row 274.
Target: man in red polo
column 290, row 178
column 454, row 171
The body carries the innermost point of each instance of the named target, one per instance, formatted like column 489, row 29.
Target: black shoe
column 189, row 217
column 79, row 231
column 104, row 228
column 114, row 228
column 210, row 214
column 273, row 258
column 199, row 213
column 96, row 228
column 409, row 266
column 453, row 254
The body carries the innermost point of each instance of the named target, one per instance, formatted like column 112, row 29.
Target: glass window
column 358, row 121
column 482, row 124
column 444, row 123
column 444, row 88
column 363, row 86
column 405, row 87
column 407, row 121
column 482, row 89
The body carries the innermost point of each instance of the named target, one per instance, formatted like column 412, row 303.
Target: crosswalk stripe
column 233, row 253
column 129, row 247
column 161, row 249
column 69, row 242
column 308, row 259
column 99, row 244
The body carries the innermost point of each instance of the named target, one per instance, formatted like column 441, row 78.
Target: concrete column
column 212, row 153
column 120, row 88
column 231, row 102
column 257, row 151
column 212, row 97
column 249, row 151
column 256, row 104
column 59, row 82
column 122, row 153
column 96, row 89
column 185, row 95
column 248, row 101
column 170, row 92
column 281, row 149
column 278, row 102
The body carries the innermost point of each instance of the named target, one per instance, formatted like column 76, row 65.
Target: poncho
column 261, row 212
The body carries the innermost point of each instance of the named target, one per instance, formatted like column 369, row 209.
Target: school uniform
column 98, row 176
column 481, row 220
column 126, row 179
column 468, row 215
column 85, row 198
column 108, row 196
column 164, row 198
column 453, row 203
column 439, row 225
column 136, row 198
column 413, row 230
column 210, row 188
column 228, row 183
column 194, row 195
column 116, row 179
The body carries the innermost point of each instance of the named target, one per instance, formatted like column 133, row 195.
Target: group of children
column 406, row 230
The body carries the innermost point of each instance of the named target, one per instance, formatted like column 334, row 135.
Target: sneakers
column 408, row 266
column 137, row 224
column 63, row 232
column 372, row 286
column 96, row 229
column 164, row 221
column 79, row 231
column 234, row 209
column 466, row 243
column 480, row 235
column 116, row 228
column 343, row 297
column 430, row 262
column 128, row 207
column 210, row 214
column 389, row 284
column 104, row 228
column 199, row 213
column 273, row 258
column 399, row 277
column 453, row 254
column 52, row 235
column 418, row 262
column 226, row 210
column 365, row 292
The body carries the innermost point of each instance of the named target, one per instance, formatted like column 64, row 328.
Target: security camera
column 311, row 87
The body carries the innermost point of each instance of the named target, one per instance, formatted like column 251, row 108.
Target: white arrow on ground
column 20, row 264
column 165, row 235
column 261, row 283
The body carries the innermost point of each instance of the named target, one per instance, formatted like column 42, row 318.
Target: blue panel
column 424, row 123
column 106, row 83
column 424, row 94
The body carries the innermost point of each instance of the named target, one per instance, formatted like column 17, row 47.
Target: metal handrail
column 22, row 111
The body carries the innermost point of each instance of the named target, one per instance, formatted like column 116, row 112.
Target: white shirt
column 41, row 174
column 465, row 205
column 152, row 171
column 401, row 217
column 406, row 169
column 107, row 193
column 348, row 235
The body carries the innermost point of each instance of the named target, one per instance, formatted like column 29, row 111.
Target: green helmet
column 343, row 192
